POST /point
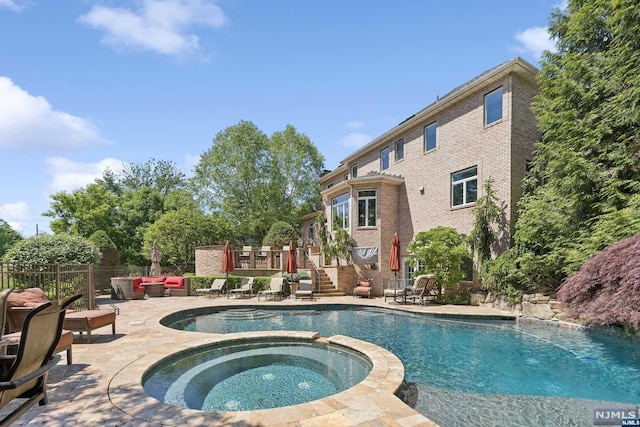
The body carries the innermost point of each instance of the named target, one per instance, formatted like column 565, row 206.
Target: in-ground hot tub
column 259, row 373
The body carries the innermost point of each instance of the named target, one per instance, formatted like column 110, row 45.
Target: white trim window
column 464, row 187
column 399, row 151
column 367, row 208
column 384, row 158
column 493, row 106
column 430, row 134
column 354, row 171
column 340, row 212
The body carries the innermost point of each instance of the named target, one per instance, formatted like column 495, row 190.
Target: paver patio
column 82, row 394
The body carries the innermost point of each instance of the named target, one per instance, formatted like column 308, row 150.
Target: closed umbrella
column 227, row 259
column 394, row 261
column 292, row 265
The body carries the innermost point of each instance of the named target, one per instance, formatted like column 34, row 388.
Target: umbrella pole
column 395, row 286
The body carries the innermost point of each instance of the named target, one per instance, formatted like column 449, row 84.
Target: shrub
column 606, row 290
column 52, row 249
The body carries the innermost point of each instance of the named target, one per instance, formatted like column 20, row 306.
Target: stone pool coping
column 79, row 393
column 368, row 400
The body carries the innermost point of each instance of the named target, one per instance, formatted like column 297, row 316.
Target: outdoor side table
column 154, row 289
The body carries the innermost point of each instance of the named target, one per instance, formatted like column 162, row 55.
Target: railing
column 258, row 259
column 56, row 280
column 315, row 270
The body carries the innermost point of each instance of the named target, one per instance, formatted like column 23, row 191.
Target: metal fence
column 56, row 280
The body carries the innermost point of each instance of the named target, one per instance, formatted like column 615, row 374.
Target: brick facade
column 414, row 194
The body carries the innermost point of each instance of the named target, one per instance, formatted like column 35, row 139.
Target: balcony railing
column 260, row 259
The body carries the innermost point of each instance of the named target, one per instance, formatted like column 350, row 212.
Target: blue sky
column 86, row 85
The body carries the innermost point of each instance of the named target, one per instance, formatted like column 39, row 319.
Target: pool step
column 245, row 314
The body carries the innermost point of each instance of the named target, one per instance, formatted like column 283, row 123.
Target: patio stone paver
column 83, row 394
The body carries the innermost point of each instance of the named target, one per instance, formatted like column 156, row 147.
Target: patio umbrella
column 292, row 265
column 227, row 259
column 394, row 260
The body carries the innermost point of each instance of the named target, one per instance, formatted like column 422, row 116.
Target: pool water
column 478, row 372
column 257, row 374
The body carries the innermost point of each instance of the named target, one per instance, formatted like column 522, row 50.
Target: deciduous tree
column 255, row 180
column 8, row 237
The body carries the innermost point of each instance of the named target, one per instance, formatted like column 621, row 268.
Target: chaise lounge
column 275, row 288
column 305, row 289
column 21, row 303
column 245, row 288
column 218, row 287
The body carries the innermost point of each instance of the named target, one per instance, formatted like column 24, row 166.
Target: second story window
column 430, row 137
column 367, row 208
column 464, row 187
column 384, row 158
column 493, row 106
column 354, row 171
column 399, row 150
column 340, row 212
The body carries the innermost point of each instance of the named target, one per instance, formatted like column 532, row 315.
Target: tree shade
column 606, row 290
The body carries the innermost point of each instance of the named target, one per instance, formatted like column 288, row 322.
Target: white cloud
column 354, row 124
column 15, row 5
column 160, row 26
column 534, row 40
column 30, row 121
column 68, row 175
column 356, row 140
column 16, row 214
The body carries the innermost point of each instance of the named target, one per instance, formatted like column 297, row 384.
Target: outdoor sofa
column 133, row 287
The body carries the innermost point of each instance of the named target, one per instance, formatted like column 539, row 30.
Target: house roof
column 516, row 65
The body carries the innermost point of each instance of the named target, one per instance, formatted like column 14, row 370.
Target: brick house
column 429, row 170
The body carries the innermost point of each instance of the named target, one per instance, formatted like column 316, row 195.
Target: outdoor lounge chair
column 25, row 374
column 305, row 289
column 275, row 288
column 363, row 289
column 219, row 286
column 421, row 289
column 395, row 289
column 245, row 288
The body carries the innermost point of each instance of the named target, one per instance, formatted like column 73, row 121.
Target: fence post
column 58, row 294
column 91, row 289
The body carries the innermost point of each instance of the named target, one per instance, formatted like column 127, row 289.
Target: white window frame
column 385, row 153
column 435, row 137
column 464, row 182
column 489, row 98
column 366, row 199
column 340, row 209
column 399, row 143
column 354, row 171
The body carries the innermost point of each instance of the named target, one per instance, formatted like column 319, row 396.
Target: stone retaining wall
column 538, row 306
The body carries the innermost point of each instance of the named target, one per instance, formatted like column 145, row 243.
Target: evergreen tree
column 588, row 109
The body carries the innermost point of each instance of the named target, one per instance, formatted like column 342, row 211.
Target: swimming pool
column 469, row 372
column 255, row 374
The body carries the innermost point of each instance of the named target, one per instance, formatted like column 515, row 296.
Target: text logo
column 614, row 415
